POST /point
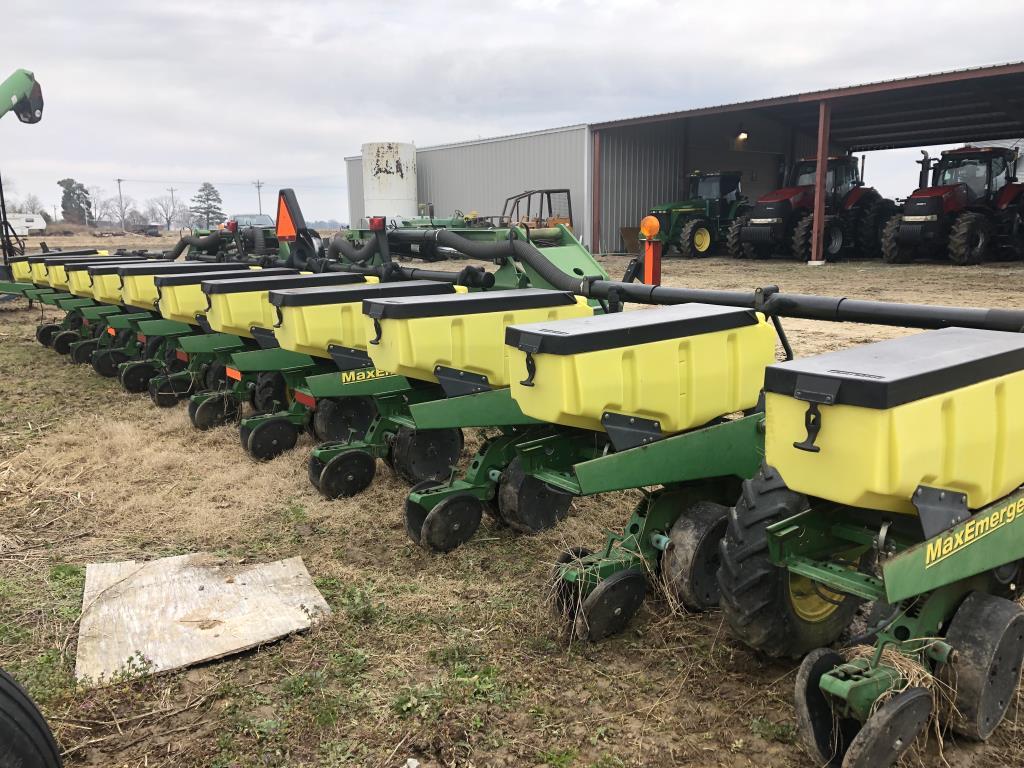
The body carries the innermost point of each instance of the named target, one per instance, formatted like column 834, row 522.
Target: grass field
column 450, row 660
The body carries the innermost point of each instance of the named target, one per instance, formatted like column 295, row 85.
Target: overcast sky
column 175, row 93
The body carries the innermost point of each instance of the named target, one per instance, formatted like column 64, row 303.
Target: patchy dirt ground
column 450, row 660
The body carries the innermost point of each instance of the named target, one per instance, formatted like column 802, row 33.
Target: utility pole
column 174, row 208
column 259, row 196
column 120, row 199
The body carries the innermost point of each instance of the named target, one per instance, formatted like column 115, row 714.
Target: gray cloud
column 233, row 91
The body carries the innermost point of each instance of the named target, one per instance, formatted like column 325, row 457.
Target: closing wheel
column 25, row 738
column 610, row 605
column 81, row 353
column 891, row 730
column 343, row 419
column 106, row 361
column 415, row 513
column 162, row 392
column 527, row 504
column 61, row 342
column 213, row 412
column 824, row 733
column 347, row 474
column 46, row 332
column 451, row 523
column 314, row 466
column 425, row 454
column 690, row 564
column 136, row 376
column 769, row 608
column 987, row 633
column 565, row 595
column 271, row 438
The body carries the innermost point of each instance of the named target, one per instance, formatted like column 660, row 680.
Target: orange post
column 649, row 228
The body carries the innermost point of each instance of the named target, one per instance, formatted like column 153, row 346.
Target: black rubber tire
column 835, row 237
column 893, row 251
column 343, row 419
column 46, row 332
column 106, row 361
column 824, row 734
column 970, row 239
column 690, row 564
column 528, row 505
column 734, row 245
column 171, row 362
column 347, row 474
column 62, row 341
column 271, row 438
column 687, row 249
column 414, row 514
column 755, row 593
column 215, row 411
column 135, row 377
column 870, row 228
column 81, row 354
column 215, row 377
column 270, row 394
column 408, row 461
column 314, row 467
column 988, row 635
column 451, row 523
column 151, row 349
column 25, row 738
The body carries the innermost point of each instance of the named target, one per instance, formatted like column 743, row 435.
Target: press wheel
column 347, row 474
column 416, row 513
column 690, row 565
column 136, row 376
column 566, row 595
column 528, row 505
column 271, row 438
column 315, row 467
column 25, row 737
column 46, row 332
column 451, row 523
column 106, row 361
column 425, row 454
column 62, row 341
column 823, row 732
column 83, row 351
column 987, row 633
column 214, row 411
column 891, row 730
column 610, row 605
column 162, row 392
column 343, row 419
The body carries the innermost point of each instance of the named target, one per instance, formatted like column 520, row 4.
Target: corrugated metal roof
column 953, row 75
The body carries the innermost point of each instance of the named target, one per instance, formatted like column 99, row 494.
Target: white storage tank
column 389, row 179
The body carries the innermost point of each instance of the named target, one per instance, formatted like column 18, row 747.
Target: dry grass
column 452, row 660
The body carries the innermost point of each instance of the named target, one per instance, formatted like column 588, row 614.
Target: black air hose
column 204, row 242
column 340, row 245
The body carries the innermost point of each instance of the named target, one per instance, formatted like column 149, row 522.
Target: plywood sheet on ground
column 184, row 610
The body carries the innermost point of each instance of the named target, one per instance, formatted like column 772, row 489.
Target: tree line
column 92, row 205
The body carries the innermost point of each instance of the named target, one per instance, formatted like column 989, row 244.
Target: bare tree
column 163, row 209
column 31, row 204
column 122, row 207
column 104, row 208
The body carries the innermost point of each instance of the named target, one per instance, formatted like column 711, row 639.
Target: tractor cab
column 843, row 176
column 983, row 172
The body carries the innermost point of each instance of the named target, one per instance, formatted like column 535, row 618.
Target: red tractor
column 782, row 221
column 973, row 210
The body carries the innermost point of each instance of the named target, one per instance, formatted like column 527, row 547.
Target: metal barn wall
column 479, row 175
column 354, row 176
column 643, row 165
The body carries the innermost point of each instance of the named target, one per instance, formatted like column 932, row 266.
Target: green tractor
column 693, row 227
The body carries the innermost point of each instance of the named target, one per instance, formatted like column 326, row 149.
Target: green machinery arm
column 21, row 94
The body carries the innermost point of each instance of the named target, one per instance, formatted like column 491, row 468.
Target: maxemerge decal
column 976, row 528
column 348, row 377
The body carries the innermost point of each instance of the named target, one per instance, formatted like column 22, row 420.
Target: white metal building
column 617, row 170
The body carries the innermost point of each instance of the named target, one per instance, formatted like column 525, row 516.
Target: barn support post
column 820, row 174
column 595, row 196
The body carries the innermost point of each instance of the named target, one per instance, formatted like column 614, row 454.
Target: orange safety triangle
column 285, row 225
